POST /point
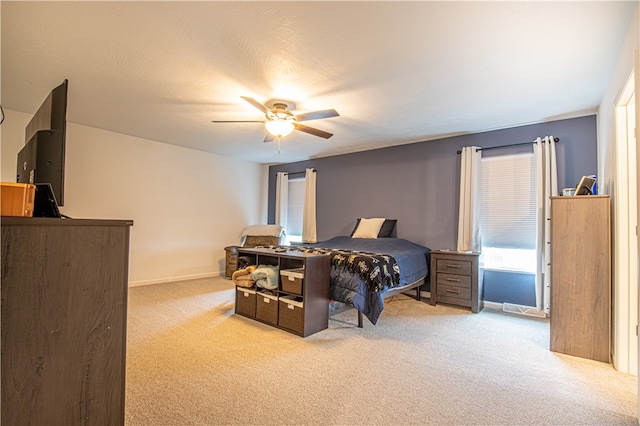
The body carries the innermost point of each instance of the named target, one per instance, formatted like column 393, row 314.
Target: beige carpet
column 191, row 361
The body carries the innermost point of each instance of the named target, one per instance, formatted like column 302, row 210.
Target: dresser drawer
column 453, row 280
column 451, row 291
column 462, row 267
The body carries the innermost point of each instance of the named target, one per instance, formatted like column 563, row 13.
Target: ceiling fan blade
column 312, row 131
column 236, row 121
column 269, row 137
column 256, row 104
column 316, row 115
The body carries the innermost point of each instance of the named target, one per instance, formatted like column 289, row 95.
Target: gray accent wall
column 418, row 184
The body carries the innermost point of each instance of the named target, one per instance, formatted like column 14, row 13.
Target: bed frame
column 397, row 290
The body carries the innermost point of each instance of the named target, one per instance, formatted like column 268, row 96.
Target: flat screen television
column 42, row 160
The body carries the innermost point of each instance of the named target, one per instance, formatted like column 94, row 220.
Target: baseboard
column 174, row 279
column 423, row 294
column 496, row 306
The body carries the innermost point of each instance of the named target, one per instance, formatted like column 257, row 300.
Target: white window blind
column 508, row 218
column 295, row 209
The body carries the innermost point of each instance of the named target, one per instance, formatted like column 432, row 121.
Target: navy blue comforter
column 349, row 288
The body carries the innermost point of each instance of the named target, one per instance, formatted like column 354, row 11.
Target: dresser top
column 48, row 221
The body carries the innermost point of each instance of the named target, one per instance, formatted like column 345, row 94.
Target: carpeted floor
column 191, row 361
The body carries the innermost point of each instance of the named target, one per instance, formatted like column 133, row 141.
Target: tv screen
column 42, row 160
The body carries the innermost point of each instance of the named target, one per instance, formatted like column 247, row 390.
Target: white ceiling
column 397, row 72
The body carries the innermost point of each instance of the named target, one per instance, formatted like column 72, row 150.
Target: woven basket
column 291, row 315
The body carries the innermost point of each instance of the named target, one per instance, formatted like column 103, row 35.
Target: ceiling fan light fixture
column 279, row 128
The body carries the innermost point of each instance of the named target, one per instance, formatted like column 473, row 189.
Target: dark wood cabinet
column 456, row 278
column 230, row 260
column 300, row 304
column 64, row 311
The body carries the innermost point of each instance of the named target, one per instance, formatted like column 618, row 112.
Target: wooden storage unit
column 64, row 312
column 301, row 306
column 580, row 305
column 456, row 278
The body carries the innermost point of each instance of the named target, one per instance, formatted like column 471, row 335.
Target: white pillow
column 368, row 228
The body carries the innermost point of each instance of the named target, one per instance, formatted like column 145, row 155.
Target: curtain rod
column 505, row 146
column 300, row 173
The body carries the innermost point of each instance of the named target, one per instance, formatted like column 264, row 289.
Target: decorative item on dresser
column 64, row 320
column 580, row 304
column 457, row 279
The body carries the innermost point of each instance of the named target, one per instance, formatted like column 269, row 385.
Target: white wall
column 186, row 205
column 624, row 321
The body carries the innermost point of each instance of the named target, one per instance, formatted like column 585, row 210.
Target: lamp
column 280, row 127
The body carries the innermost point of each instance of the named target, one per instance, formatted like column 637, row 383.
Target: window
column 295, row 208
column 508, row 218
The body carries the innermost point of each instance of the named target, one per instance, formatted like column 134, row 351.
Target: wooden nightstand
column 231, row 260
column 456, row 279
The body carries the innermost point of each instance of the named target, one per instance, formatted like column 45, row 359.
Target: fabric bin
column 291, row 313
column 292, row 280
column 246, row 301
column 17, row 199
column 267, row 307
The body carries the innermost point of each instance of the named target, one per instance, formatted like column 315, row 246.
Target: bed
column 403, row 265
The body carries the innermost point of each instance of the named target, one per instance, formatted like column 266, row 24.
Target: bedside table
column 231, row 260
column 456, row 279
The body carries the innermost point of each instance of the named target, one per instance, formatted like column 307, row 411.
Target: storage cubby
column 300, row 304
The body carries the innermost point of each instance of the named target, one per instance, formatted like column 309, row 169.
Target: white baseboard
column 174, row 279
column 493, row 305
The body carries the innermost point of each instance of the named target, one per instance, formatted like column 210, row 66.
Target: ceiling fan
column 280, row 121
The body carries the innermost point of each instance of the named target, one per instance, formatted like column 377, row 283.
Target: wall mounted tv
column 42, row 158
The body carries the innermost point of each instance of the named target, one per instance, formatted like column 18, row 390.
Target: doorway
column 625, row 339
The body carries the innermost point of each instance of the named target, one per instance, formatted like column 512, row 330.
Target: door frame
column 625, row 290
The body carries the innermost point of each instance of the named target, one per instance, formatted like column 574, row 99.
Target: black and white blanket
column 376, row 269
column 376, row 264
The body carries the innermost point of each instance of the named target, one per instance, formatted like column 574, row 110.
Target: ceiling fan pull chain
column 278, row 143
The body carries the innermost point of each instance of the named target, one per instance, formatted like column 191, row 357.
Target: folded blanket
column 242, row 277
column 266, row 276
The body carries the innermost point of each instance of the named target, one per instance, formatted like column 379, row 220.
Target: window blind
column 508, row 218
column 295, row 207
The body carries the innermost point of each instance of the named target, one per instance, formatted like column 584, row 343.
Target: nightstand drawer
column 462, row 267
column 452, row 279
column 446, row 290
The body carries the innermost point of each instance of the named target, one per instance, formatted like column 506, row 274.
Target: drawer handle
column 452, row 291
column 453, row 265
column 455, row 280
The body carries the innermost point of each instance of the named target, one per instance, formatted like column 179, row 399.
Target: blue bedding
column 349, row 288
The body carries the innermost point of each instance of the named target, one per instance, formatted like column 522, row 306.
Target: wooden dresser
column 580, row 306
column 64, row 319
column 456, row 278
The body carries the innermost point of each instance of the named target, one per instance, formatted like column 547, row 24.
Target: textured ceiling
column 397, row 72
